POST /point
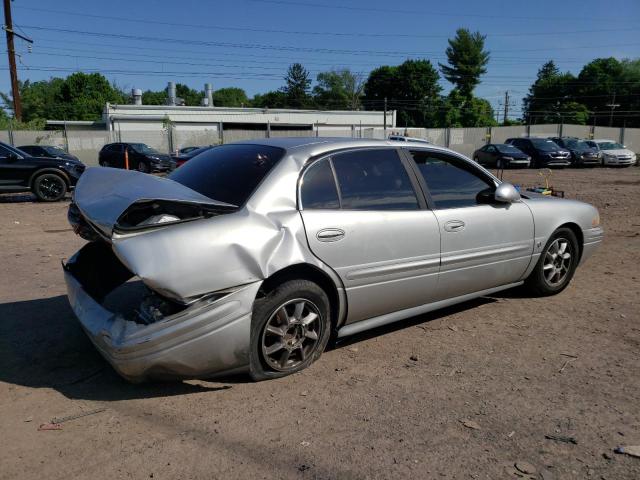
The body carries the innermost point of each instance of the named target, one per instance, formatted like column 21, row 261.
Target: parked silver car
column 252, row 254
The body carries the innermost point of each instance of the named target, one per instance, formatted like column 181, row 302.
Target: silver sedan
column 250, row 256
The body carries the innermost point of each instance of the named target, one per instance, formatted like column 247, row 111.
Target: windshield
column 610, row 146
column 144, row 149
column 576, row 144
column 228, row 173
column 504, row 148
column 55, row 151
column 544, row 145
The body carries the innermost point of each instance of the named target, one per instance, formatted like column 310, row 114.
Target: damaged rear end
column 148, row 300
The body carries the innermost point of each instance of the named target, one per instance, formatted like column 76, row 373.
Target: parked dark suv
column 47, row 151
column 582, row 154
column 543, row 152
column 48, row 178
column 141, row 157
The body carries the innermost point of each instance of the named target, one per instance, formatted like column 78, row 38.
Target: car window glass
column 4, row 152
column 374, row 180
column 228, row 173
column 319, row 187
column 491, row 149
column 451, row 182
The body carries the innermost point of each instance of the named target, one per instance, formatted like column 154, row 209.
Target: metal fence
column 87, row 143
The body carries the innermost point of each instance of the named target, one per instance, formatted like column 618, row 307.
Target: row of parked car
column 50, row 172
column 554, row 152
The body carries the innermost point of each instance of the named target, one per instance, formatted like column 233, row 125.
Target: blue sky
column 250, row 43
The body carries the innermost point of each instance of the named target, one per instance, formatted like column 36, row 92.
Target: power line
column 313, row 33
column 400, row 11
column 275, row 47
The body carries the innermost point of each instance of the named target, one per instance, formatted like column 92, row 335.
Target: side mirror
column 506, row 193
column 12, row 157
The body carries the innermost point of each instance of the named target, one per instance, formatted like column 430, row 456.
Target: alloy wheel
column 291, row 335
column 51, row 187
column 557, row 262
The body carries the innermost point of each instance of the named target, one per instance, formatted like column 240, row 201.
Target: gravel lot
column 516, row 368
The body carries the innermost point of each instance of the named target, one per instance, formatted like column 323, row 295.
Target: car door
column 491, row 157
column 15, row 170
column 364, row 218
column 484, row 244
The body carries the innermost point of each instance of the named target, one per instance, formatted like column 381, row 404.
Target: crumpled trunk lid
column 103, row 194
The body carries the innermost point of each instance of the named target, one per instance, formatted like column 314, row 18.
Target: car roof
column 312, row 146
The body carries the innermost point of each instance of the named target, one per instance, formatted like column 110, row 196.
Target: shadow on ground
column 43, row 346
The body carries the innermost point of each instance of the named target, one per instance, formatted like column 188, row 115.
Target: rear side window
column 374, row 180
column 319, row 187
column 451, row 183
column 228, row 173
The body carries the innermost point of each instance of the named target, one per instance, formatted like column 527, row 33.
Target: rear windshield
column 228, row 173
column 576, row 144
column 544, row 145
column 504, row 148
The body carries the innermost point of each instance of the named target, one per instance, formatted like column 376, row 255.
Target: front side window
column 318, row 190
column 451, row 182
column 374, row 180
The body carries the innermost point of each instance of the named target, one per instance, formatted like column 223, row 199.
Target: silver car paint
column 382, row 272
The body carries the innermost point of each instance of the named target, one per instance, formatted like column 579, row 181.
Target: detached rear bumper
column 592, row 239
column 204, row 339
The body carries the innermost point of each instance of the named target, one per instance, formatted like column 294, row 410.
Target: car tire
column 290, row 328
column 556, row 265
column 49, row 187
column 143, row 167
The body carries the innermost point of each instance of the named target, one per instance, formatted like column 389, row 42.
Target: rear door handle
column 330, row 234
column 454, row 226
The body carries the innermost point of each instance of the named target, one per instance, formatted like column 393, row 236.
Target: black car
column 582, row 154
column 185, row 157
column 141, row 157
column 47, row 151
column 543, row 152
column 501, row 155
column 48, row 178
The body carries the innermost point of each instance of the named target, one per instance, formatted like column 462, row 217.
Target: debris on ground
column 631, row 450
column 525, row 467
column 304, row 443
column 470, row 424
column 453, row 328
column 413, row 358
column 49, row 426
column 561, row 438
column 77, row 415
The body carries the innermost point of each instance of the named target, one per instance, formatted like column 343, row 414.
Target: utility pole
column 506, row 107
column 11, row 52
column 385, row 117
column 613, row 105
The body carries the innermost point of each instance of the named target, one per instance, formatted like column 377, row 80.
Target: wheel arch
column 54, row 170
column 577, row 231
column 306, row 271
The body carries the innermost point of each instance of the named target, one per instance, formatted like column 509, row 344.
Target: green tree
column 411, row 88
column 461, row 111
column 552, row 98
column 274, row 99
column 150, row 97
column 80, row 96
column 467, row 60
column 230, row 97
column 297, row 85
column 338, row 90
column 190, row 96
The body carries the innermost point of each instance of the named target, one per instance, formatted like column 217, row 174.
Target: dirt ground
column 517, row 368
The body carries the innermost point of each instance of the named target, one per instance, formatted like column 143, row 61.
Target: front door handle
column 454, row 226
column 330, row 234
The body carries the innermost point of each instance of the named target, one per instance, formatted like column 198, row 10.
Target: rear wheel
column 143, row 167
column 290, row 328
column 49, row 187
column 556, row 265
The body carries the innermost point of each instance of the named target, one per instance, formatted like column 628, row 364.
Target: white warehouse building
column 181, row 126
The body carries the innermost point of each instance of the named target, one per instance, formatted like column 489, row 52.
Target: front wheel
column 49, row 187
column 556, row 265
column 290, row 329
column 144, row 167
